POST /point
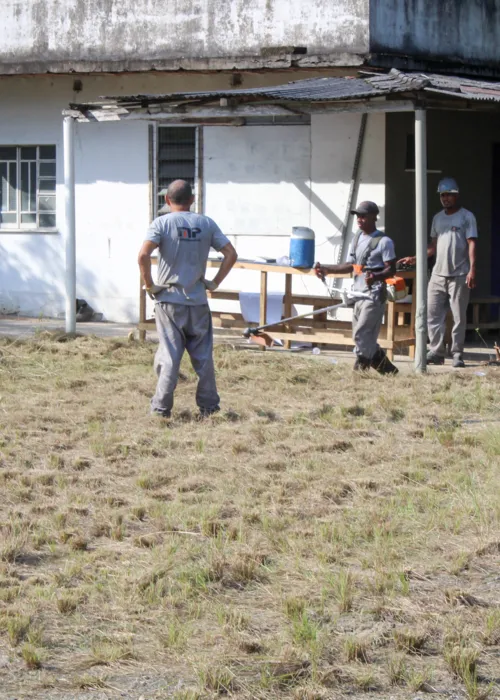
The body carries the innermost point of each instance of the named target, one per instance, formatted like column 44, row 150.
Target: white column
column 421, row 235
column 69, row 222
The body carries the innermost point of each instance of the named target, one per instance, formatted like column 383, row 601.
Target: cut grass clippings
column 325, row 535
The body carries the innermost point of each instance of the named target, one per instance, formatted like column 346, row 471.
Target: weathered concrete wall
column 461, row 32
column 114, row 35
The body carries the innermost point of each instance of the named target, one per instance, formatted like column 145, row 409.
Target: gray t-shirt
column 452, row 250
column 184, row 240
column 383, row 253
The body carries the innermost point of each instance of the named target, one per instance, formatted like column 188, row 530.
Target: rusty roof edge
column 312, row 91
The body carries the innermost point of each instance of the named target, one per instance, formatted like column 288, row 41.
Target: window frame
column 198, row 186
column 18, row 226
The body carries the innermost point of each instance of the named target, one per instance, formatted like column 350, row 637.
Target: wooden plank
column 273, row 267
column 226, row 294
column 492, row 325
column 302, row 299
column 390, row 315
column 485, row 300
column 287, row 301
column 263, row 298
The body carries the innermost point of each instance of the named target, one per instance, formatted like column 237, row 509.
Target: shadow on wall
column 32, row 277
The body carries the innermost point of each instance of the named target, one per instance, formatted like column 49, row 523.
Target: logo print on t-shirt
column 456, row 229
column 188, row 234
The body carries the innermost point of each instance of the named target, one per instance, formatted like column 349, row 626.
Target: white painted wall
column 262, row 181
column 256, row 187
column 259, row 182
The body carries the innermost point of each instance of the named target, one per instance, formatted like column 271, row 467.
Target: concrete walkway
column 14, row 327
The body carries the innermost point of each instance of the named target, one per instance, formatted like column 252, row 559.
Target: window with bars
column 27, row 187
column 176, row 158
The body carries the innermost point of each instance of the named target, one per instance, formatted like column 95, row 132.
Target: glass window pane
column 48, row 152
column 8, row 153
column 47, row 185
column 46, row 203
column 28, row 153
column 47, row 220
column 25, row 186
column 12, row 186
column 48, row 169
column 8, row 218
column 28, row 219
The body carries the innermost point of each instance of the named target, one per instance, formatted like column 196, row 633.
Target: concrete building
column 258, row 181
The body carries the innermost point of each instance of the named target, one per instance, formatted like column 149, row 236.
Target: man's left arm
column 471, row 277
column 471, row 233
column 388, row 271
column 389, row 260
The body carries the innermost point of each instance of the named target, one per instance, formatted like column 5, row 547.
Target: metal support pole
column 421, row 240
column 69, row 222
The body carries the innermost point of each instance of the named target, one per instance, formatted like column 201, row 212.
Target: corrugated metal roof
column 308, row 90
column 320, row 90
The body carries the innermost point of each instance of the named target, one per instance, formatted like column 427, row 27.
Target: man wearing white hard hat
column 453, row 243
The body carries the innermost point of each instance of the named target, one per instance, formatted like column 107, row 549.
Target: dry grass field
column 325, row 536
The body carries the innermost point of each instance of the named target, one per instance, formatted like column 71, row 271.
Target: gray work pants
column 445, row 293
column 366, row 321
column 180, row 328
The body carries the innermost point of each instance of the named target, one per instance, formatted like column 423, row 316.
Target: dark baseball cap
column 364, row 208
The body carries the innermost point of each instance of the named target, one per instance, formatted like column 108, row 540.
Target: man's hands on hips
column 210, row 285
column 153, row 290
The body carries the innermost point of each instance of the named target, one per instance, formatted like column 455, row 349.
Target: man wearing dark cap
column 182, row 314
column 372, row 259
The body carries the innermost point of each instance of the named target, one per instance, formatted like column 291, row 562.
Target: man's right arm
column 343, row 269
column 144, row 261
column 431, row 249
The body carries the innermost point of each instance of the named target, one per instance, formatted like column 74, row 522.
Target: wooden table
column 397, row 330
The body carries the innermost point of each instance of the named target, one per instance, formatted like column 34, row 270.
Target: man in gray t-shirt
column 182, row 314
column 453, row 243
column 372, row 259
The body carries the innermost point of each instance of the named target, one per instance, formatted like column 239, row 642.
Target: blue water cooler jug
column 302, row 247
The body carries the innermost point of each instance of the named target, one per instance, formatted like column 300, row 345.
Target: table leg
column 411, row 349
column 263, row 299
column 391, row 314
column 287, row 310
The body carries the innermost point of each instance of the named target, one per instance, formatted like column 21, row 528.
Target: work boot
column 382, row 364
column 458, row 360
column 160, row 414
column 433, row 359
column 362, row 364
column 206, row 412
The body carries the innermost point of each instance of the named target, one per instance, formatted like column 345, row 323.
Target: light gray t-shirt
column 184, row 240
column 383, row 253
column 452, row 250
